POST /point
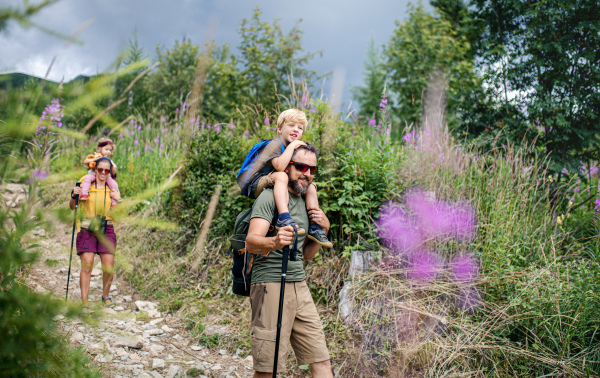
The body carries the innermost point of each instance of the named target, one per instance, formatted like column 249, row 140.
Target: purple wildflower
column 121, row 136
column 163, row 119
column 163, row 131
column 464, row 269
column 137, row 152
column 304, row 100
column 372, row 122
column 131, row 122
column 267, row 121
column 424, row 266
column 39, row 175
column 312, row 111
column 135, row 142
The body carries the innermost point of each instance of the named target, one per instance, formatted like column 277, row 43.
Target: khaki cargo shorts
column 300, row 326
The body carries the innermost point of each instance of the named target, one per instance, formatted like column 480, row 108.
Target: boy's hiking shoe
column 318, row 235
column 289, row 222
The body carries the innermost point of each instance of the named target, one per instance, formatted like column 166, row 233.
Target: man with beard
column 301, row 325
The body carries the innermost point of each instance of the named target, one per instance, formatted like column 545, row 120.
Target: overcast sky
column 340, row 28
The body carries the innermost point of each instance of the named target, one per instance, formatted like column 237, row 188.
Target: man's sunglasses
column 104, row 171
column 304, row 167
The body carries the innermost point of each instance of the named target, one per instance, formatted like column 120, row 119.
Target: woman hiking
column 96, row 234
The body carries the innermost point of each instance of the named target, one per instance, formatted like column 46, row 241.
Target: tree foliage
column 544, row 58
column 369, row 96
column 270, row 57
column 418, row 48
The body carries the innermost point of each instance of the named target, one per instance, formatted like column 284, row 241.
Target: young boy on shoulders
column 268, row 171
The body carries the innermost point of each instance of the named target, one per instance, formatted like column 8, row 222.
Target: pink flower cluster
column 410, row 229
column 51, row 116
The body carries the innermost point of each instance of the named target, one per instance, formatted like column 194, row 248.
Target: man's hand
column 284, row 237
column 295, row 144
column 317, row 216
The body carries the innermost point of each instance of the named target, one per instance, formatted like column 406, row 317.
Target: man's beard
column 295, row 184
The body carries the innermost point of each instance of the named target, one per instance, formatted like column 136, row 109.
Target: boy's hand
column 295, row 144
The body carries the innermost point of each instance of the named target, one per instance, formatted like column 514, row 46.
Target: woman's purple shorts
column 87, row 242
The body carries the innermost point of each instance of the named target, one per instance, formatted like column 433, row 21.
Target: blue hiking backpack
column 249, row 162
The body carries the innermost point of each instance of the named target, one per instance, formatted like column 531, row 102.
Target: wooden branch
column 138, row 77
column 199, row 250
column 108, row 109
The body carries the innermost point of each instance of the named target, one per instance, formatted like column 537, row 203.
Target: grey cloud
column 341, row 29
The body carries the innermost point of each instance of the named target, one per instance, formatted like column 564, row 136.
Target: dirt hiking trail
column 152, row 345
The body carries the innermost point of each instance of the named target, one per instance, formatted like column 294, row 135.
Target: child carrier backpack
column 242, row 261
column 248, row 166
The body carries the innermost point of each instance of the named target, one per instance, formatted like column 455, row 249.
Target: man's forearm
column 310, row 250
column 259, row 245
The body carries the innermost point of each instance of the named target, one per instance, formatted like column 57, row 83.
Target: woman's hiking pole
column 72, row 239
column 284, row 264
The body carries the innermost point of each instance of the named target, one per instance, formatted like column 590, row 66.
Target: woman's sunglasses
column 304, row 167
column 104, row 171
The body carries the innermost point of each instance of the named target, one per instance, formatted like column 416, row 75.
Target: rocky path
column 135, row 339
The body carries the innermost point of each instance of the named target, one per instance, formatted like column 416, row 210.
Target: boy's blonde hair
column 292, row 115
column 102, row 141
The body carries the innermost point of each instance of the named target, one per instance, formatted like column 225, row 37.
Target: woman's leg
column 112, row 185
column 87, row 264
column 108, row 272
column 85, row 185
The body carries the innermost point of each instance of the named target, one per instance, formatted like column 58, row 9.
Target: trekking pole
column 284, row 264
column 72, row 239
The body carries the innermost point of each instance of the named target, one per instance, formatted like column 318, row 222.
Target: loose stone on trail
column 135, row 343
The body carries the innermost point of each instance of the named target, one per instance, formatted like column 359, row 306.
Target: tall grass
column 528, row 314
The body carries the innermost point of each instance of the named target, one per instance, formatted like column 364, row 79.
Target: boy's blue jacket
column 254, row 167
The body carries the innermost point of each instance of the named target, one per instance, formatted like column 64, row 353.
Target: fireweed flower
column 312, row 111
column 594, row 171
column 131, row 122
column 424, row 266
column 464, row 269
column 267, row 121
column 135, row 142
column 163, row 119
column 304, row 100
column 137, row 152
column 39, row 175
column 121, row 136
column 163, row 131
column 371, row 122
column 247, row 134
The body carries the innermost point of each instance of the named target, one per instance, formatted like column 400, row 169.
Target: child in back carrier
column 267, row 170
column 105, row 149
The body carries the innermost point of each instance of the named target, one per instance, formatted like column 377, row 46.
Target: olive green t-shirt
column 268, row 269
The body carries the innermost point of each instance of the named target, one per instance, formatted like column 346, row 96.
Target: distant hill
column 18, row 80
